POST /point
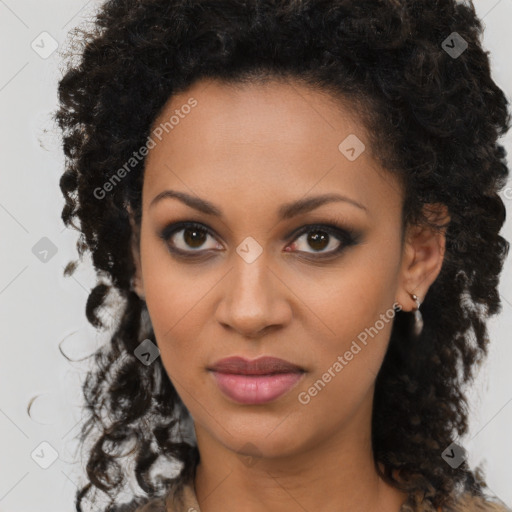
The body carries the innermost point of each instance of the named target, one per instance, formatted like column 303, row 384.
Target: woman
column 275, row 189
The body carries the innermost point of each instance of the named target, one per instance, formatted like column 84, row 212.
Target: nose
column 254, row 299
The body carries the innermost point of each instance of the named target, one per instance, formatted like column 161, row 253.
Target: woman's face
column 251, row 280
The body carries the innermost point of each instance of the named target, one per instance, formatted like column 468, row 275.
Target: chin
column 266, row 438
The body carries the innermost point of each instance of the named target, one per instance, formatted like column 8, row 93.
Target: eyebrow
column 286, row 211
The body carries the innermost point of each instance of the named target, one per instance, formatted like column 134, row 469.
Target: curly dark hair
column 434, row 119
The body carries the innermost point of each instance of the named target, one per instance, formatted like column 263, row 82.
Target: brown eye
column 194, row 237
column 188, row 237
column 317, row 239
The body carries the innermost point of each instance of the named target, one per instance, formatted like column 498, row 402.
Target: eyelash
column 347, row 237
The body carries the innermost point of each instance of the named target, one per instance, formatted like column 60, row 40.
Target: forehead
column 267, row 114
column 273, row 139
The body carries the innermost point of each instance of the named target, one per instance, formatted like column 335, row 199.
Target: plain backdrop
column 40, row 466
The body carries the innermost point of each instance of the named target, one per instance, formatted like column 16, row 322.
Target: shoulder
column 460, row 502
column 472, row 503
column 179, row 498
column 136, row 505
column 154, row 505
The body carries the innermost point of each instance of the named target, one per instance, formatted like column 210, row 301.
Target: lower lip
column 256, row 389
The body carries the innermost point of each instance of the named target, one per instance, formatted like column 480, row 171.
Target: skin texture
column 248, row 150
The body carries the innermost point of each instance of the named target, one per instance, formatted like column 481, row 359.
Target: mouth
column 258, row 381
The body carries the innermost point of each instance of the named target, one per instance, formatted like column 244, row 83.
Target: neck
column 336, row 475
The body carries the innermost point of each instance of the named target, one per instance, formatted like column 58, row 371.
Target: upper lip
column 261, row 366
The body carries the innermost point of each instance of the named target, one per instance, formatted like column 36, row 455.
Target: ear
column 137, row 281
column 422, row 257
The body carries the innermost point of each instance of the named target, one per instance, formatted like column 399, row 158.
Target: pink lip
column 253, row 389
column 255, row 382
column 261, row 366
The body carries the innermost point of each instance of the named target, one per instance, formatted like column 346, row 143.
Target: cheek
column 173, row 299
column 173, row 289
column 353, row 297
column 346, row 363
column 355, row 306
